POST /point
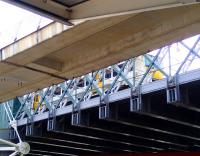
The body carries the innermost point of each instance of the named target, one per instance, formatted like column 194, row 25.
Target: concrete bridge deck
column 54, row 54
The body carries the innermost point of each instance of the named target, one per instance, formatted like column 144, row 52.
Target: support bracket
column 136, row 99
column 51, row 123
column 29, row 127
column 76, row 115
column 104, row 107
column 172, row 90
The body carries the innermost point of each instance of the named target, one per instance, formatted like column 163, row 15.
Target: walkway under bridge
column 149, row 103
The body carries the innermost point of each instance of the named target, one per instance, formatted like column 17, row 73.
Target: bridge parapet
column 33, row 39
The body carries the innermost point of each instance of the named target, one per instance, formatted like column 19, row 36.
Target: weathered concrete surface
column 92, row 45
column 70, row 10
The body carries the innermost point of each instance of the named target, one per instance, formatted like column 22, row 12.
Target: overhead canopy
column 55, row 53
column 68, row 10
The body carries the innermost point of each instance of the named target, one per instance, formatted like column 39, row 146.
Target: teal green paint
column 16, row 106
column 3, row 118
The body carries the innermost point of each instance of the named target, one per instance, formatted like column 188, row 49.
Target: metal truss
column 107, row 81
column 132, row 73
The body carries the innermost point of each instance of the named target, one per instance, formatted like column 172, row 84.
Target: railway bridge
column 145, row 104
column 105, row 77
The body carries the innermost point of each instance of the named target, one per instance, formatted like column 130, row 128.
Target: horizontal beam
column 95, row 9
column 112, row 131
column 61, row 148
column 46, row 152
column 107, row 145
column 116, row 146
column 49, row 65
column 48, row 9
column 161, row 154
column 72, row 143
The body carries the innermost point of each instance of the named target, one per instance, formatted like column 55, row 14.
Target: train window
column 80, row 83
column 29, row 98
column 49, row 92
column 86, row 83
column 120, row 65
column 108, row 73
column 57, row 91
column 114, row 73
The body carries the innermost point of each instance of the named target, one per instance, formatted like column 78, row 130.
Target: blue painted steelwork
column 127, row 74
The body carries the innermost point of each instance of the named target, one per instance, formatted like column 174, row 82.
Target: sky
column 16, row 23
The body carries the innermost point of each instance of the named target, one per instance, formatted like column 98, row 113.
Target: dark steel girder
column 74, row 143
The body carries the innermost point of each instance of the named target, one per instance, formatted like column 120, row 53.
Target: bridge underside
column 157, row 127
column 89, row 46
column 163, row 119
column 70, row 10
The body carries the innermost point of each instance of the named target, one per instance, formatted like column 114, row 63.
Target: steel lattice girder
column 70, row 91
